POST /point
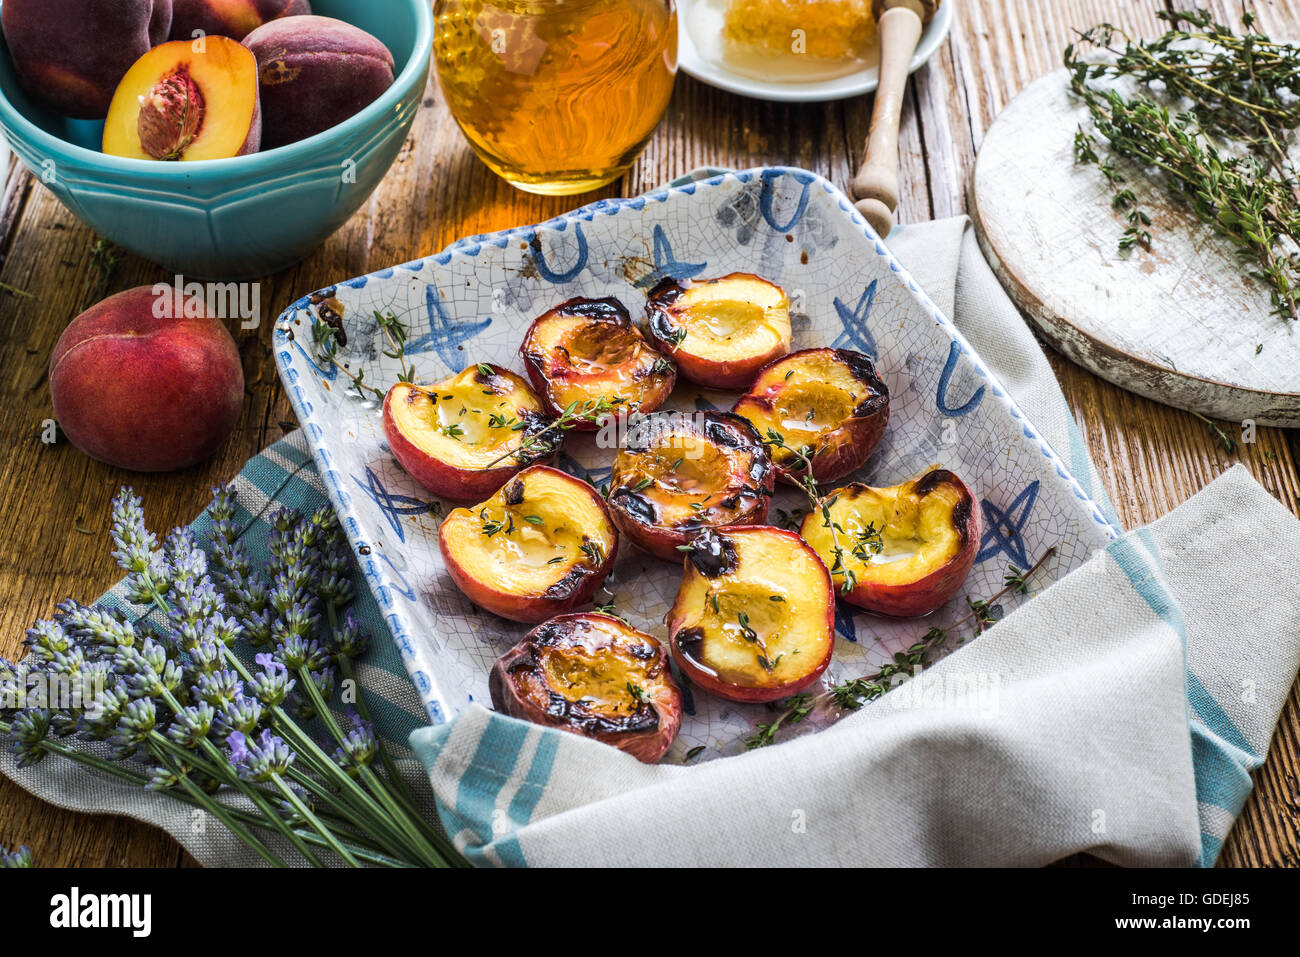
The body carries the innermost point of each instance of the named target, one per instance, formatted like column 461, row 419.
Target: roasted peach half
column 586, row 350
column 680, row 472
column 720, row 332
column 594, row 675
column 907, row 549
column 828, row 404
column 539, row 547
column 754, row 619
column 465, row 437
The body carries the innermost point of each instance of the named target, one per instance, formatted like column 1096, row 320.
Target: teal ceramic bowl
column 239, row 218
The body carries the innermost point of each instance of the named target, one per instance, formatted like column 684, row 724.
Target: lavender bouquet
column 255, row 744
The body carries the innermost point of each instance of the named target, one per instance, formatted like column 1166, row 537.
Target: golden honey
column 785, row 41
column 557, row 96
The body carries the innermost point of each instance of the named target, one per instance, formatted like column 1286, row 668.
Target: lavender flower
column 359, row 745
column 162, row 779
column 296, row 623
column 259, row 761
column 134, row 726
column 297, row 653
column 224, row 506
column 191, row 725
column 134, row 550
column 27, row 732
column 206, row 657
column 133, row 543
column 100, row 719
column 272, row 685
column 91, row 626
column 324, row 680
column 219, row 687
column 350, row 640
column 45, row 639
column 194, row 601
column 19, row 858
column 241, row 716
column 290, row 814
column 187, row 562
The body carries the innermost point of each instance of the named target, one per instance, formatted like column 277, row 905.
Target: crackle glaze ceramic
column 473, row 303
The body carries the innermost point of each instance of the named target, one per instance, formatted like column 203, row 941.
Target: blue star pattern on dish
column 844, row 624
column 941, row 394
column 666, row 265
column 593, row 477
column 445, row 334
column 400, row 582
column 1003, row 529
column 392, row 505
column 856, row 335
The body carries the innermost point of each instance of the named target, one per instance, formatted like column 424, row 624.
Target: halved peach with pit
column 464, row 437
column 906, row 549
column 595, row 675
column 720, row 332
column 827, row 406
column 754, row 619
column 679, row 473
column 185, row 101
column 586, row 354
column 539, row 547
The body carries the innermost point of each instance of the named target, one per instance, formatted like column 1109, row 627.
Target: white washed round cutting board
column 1179, row 323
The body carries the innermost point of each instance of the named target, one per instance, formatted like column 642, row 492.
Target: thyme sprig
column 853, row 694
column 574, row 414
column 1225, row 441
column 1222, row 154
column 808, row 483
column 325, row 339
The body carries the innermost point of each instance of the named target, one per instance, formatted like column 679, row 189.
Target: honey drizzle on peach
column 532, row 537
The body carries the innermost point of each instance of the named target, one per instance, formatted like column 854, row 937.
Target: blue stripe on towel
column 526, row 798
column 494, row 761
column 1221, row 756
column 1216, row 719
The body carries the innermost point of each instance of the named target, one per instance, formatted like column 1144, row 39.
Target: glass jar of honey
column 557, row 96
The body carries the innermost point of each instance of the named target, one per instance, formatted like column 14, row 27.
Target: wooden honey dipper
column 875, row 188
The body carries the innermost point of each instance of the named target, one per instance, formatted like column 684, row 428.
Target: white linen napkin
column 1128, row 701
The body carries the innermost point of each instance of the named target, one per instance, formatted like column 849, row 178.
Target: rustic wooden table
column 54, row 501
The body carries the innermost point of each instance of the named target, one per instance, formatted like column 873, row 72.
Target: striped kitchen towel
column 1132, row 700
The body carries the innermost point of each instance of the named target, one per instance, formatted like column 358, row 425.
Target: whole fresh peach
column 147, row 380
column 71, row 54
column 235, row 19
column 315, row 72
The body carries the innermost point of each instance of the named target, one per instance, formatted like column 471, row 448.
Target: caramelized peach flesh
column 829, row 403
column 720, row 332
column 679, row 473
column 909, row 548
column 754, row 617
column 539, row 547
column 594, row 675
column 462, row 438
column 181, row 103
column 588, row 349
